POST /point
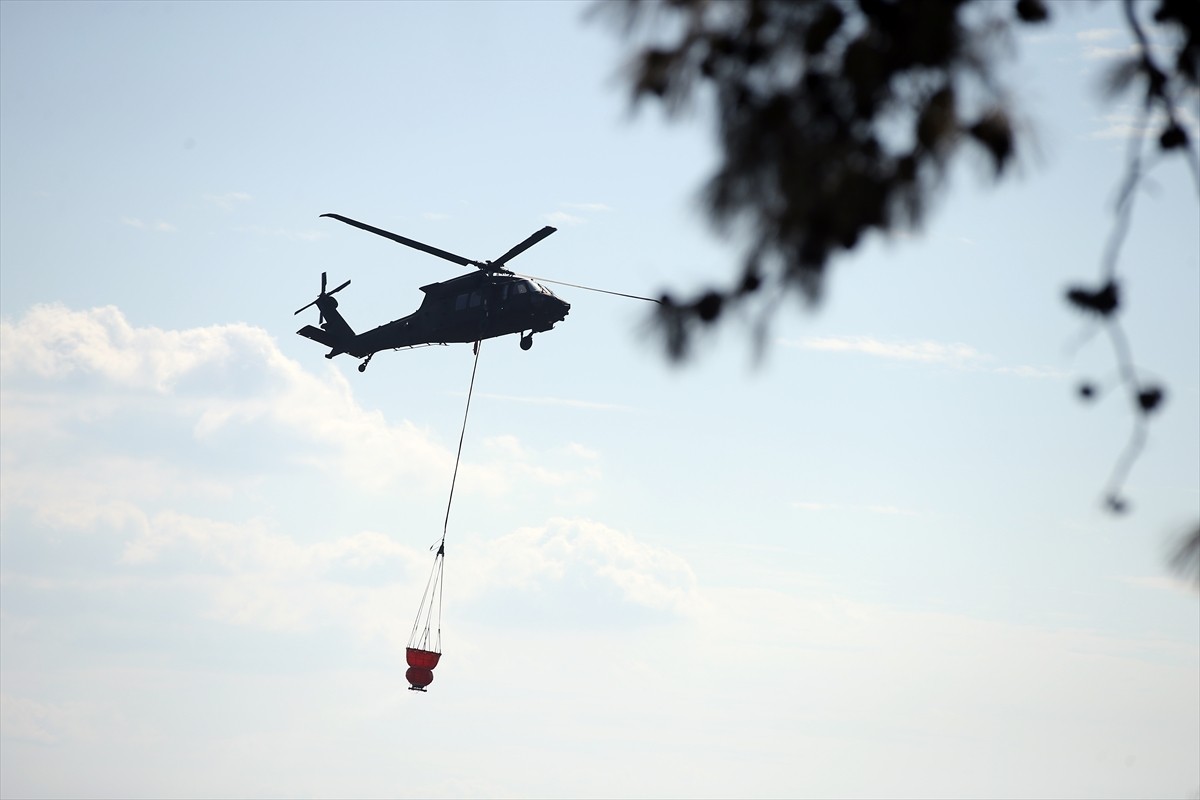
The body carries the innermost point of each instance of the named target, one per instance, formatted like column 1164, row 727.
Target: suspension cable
column 433, row 588
column 458, row 457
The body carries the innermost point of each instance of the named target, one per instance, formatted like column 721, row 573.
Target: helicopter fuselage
column 468, row 308
column 492, row 302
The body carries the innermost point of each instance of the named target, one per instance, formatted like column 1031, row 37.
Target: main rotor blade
column 395, row 237
column 592, row 289
column 525, row 245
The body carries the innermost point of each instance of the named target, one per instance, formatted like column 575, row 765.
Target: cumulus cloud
column 104, row 426
column 54, row 342
column 207, row 454
column 249, row 574
column 252, row 546
column 582, row 555
column 105, row 422
column 209, row 379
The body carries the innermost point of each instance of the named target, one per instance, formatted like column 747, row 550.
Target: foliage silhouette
column 839, row 118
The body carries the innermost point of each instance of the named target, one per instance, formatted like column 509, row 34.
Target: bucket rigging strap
column 422, row 638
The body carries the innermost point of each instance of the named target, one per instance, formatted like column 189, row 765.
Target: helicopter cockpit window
column 519, row 288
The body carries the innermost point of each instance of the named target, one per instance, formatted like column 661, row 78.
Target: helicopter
column 493, row 301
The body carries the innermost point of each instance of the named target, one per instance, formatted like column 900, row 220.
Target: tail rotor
column 322, row 296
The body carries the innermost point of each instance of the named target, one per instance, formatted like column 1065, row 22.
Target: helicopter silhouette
column 493, row 301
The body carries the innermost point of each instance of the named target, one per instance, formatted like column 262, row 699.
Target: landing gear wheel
column 527, row 342
column 363, row 366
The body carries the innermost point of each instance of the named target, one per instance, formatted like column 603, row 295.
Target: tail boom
column 335, row 333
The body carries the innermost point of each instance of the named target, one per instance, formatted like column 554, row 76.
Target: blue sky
column 874, row 565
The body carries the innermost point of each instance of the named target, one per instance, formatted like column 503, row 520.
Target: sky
column 873, row 564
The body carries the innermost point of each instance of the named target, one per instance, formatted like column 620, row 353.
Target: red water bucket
column 425, row 659
column 419, row 677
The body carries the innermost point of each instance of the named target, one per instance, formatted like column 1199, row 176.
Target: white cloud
column 54, row 342
column 1028, row 371
column 229, row 200
column 161, row 227
column 895, row 511
column 563, row 218
column 142, row 607
column 575, row 213
column 283, row 233
column 1098, row 45
column 580, row 555
column 251, row 546
column 955, row 355
column 159, row 630
column 587, row 206
column 1098, row 34
column 1161, row 583
column 582, row 451
column 79, row 385
column 808, row 506
column 1129, row 124
column 1120, row 126
column 45, row 723
column 249, row 575
column 556, row 401
column 814, row 684
column 1095, row 52
column 213, row 380
column 878, row 508
column 507, row 444
column 512, row 463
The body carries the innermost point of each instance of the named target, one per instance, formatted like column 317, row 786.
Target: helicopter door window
column 460, row 302
column 476, row 299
